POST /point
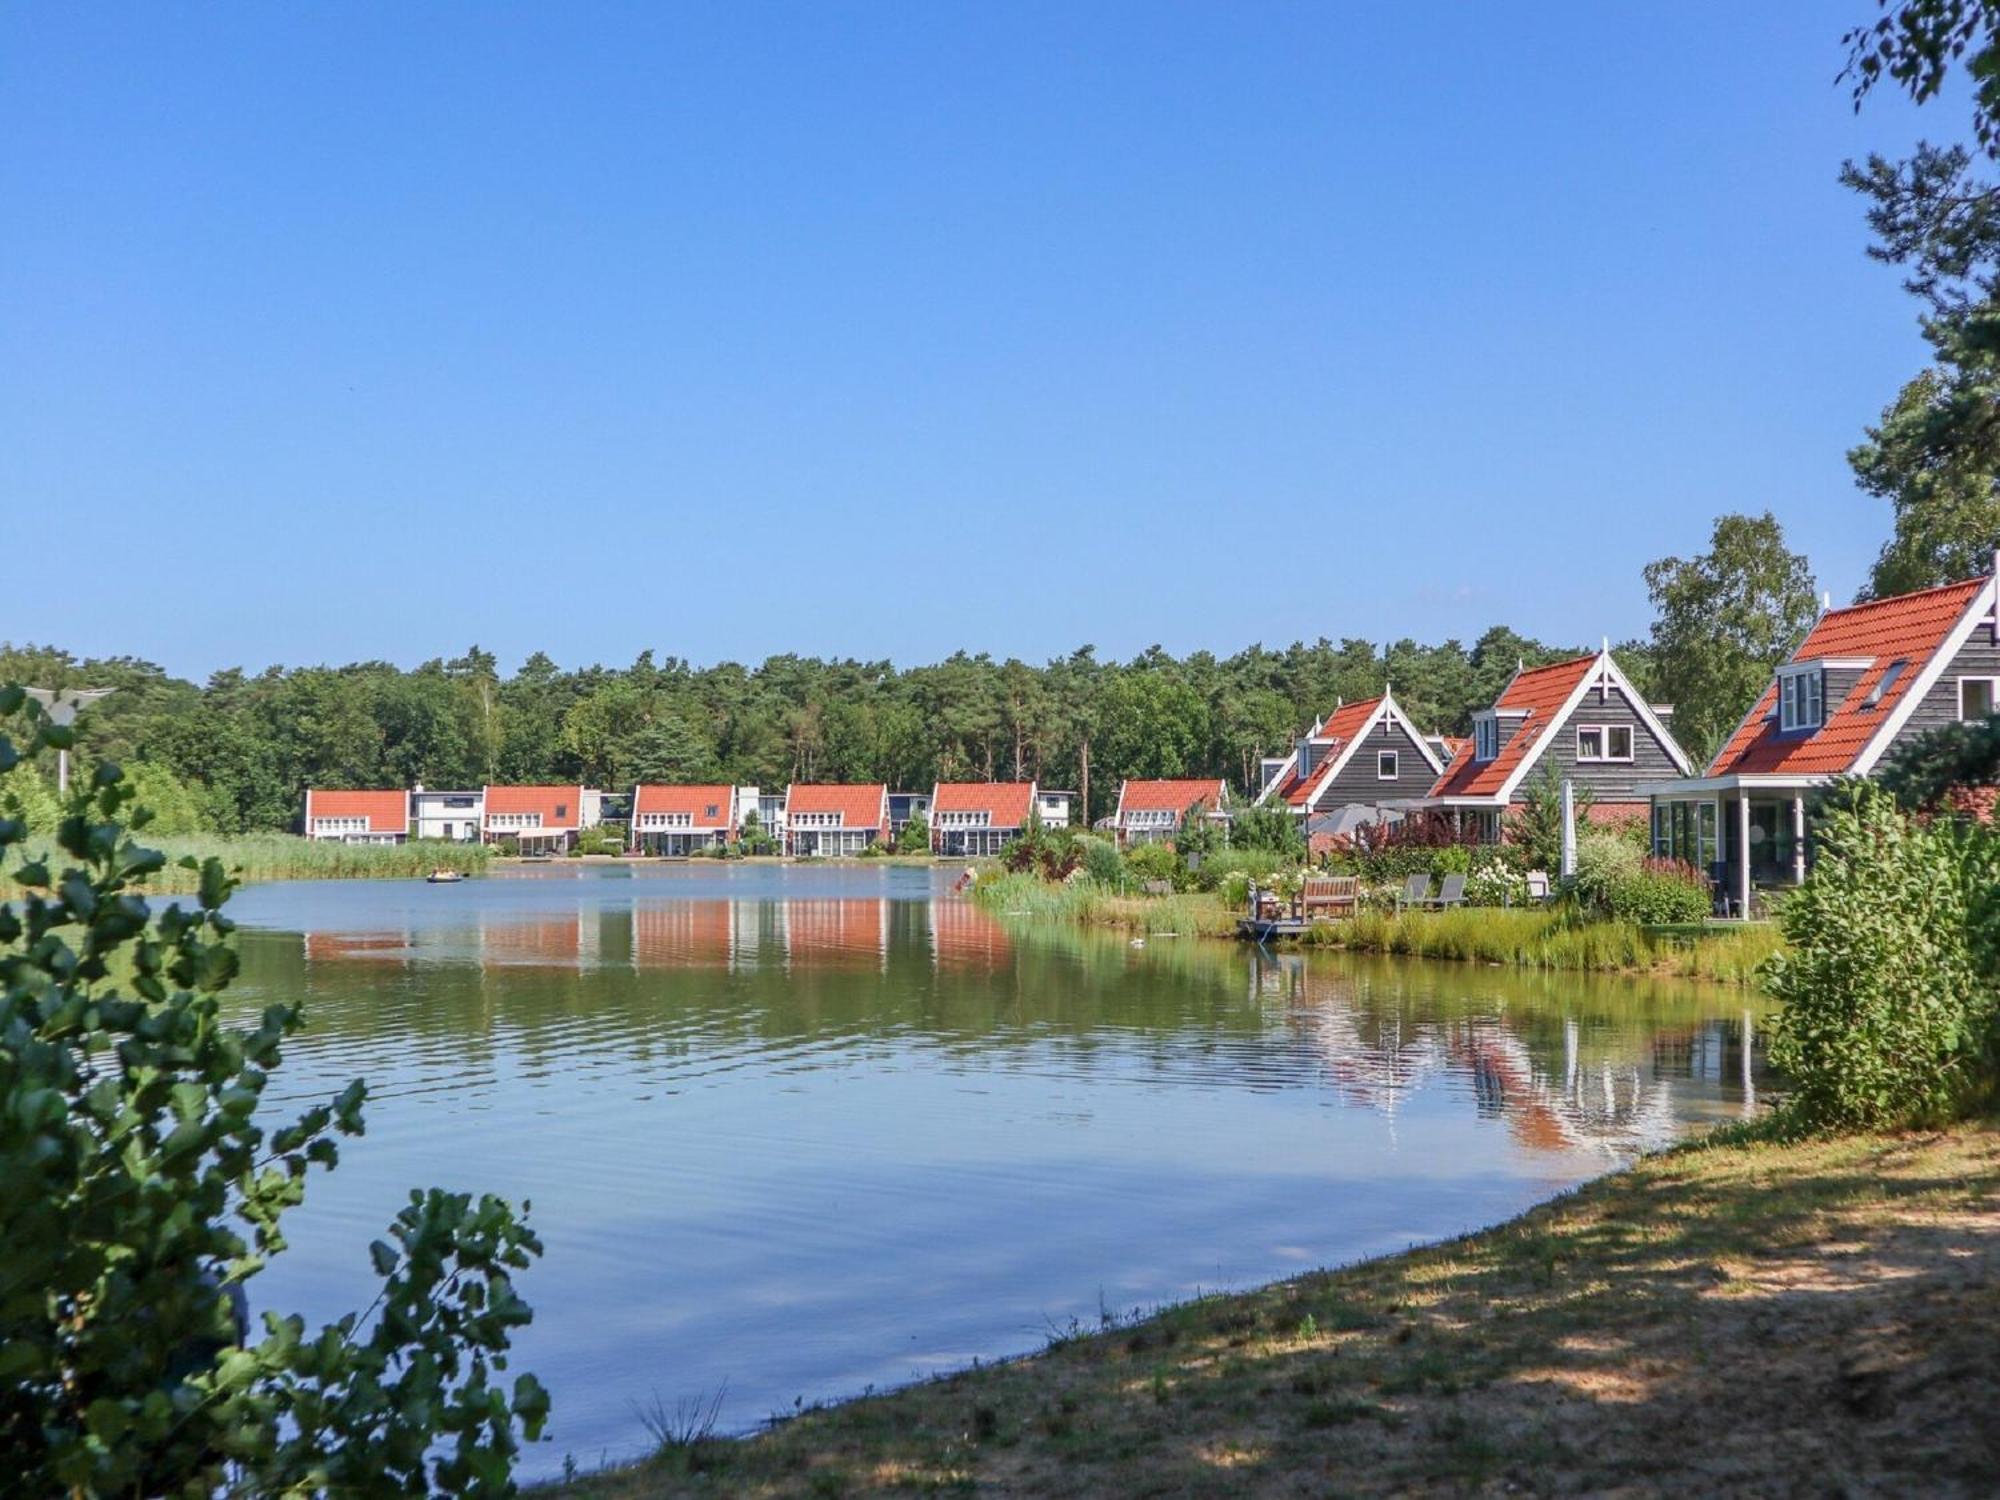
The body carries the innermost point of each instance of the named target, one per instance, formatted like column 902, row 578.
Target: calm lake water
column 803, row 1131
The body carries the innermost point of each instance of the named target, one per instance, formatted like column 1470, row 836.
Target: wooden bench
column 1330, row 896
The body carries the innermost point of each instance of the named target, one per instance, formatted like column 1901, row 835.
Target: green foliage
column 1915, row 44
column 1271, row 826
column 1538, row 828
column 1658, row 893
column 1885, row 1019
column 1157, row 862
column 1100, row 859
column 1924, row 770
column 599, row 840
column 1603, row 860
column 1491, row 881
column 144, row 1184
column 915, row 837
column 28, row 798
column 1723, row 621
column 1198, row 836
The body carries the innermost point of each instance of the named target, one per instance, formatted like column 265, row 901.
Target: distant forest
column 245, row 746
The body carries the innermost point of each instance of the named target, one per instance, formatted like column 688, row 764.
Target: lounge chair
column 1451, row 893
column 1538, row 885
column 1416, row 892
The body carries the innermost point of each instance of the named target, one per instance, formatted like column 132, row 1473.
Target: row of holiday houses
column 965, row 819
column 1864, row 681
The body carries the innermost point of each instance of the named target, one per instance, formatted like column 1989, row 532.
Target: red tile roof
column 1005, row 803
column 1908, row 628
column 859, row 805
column 386, row 812
column 1168, row 796
column 706, row 806
column 1530, row 702
column 1341, row 726
column 560, row 806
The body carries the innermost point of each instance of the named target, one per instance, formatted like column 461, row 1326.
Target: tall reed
column 258, row 857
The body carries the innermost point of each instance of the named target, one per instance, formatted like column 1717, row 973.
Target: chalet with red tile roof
column 373, row 817
column 674, row 822
column 1864, row 680
column 1149, row 812
column 1352, row 763
column 1581, row 718
column 828, row 819
column 975, row 818
column 541, row 819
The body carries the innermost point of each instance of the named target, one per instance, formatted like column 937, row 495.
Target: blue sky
column 351, row 331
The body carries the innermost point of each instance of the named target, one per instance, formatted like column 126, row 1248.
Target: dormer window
column 1485, row 738
column 1802, row 699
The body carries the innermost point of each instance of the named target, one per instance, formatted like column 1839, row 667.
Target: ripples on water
column 802, row 1131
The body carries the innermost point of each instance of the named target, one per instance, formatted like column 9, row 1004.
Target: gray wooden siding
column 1978, row 657
column 1609, row 781
column 1357, row 781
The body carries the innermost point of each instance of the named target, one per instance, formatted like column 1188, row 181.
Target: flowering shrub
column 1493, row 882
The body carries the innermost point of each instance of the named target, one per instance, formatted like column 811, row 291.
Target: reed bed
column 259, row 857
column 1537, row 939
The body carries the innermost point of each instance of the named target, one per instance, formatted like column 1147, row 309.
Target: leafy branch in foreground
column 139, row 1194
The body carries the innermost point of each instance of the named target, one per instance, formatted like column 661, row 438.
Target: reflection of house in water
column 963, row 937
column 553, row 941
column 695, row 934
column 837, row 933
column 1578, row 1102
column 333, row 947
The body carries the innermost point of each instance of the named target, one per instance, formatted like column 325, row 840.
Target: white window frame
column 1605, row 755
column 1486, row 738
column 1992, row 696
column 1387, row 765
column 1802, row 699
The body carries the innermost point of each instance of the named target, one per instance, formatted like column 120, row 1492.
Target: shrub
column 1603, row 859
column 1659, row 892
column 1157, row 862
column 1271, row 827
column 1495, row 883
column 915, row 837
column 1100, row 859
column 145, row 1183
column 1884, row 1020
column 1538, row 828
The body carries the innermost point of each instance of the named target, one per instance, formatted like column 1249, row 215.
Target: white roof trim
column 1979, row 610
column 1732, row 781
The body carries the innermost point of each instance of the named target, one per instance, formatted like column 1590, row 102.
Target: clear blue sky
column 351, row 331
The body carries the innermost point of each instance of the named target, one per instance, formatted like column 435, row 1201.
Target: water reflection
column 802, row 1131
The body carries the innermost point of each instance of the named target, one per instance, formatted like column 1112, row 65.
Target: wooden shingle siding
column 1357, row 782
column 1609, row 781
column 1978, row 657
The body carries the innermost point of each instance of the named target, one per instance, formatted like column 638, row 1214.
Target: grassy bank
column 1770, row 1319
column 1535, row 939
column 284, row 856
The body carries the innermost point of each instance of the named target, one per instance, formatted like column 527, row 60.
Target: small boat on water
column 445, row 877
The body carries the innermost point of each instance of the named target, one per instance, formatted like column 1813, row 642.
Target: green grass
column 1539, row 939
column 1746, row 1316
column 282, row 856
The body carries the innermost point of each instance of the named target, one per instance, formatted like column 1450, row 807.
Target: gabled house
column 974, row 818
column 1150, row 812
column 1363, row 756
column 1583, row 719
column 373, row 817
column 542, row 818
column 677, row 821
column 1864, row 680
column 830, row 819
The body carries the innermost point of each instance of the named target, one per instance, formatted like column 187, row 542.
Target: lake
column 796, row 1132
